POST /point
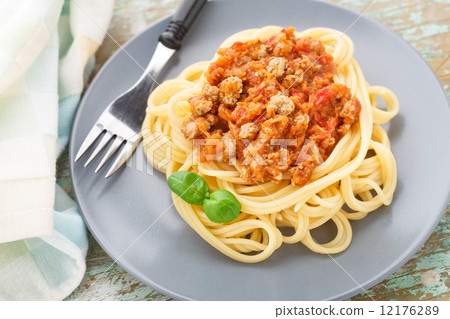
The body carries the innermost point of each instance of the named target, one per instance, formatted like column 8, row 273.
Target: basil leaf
column 192, row 188
column 222, row 206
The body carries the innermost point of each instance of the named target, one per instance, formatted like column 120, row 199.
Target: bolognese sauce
column 258, row 93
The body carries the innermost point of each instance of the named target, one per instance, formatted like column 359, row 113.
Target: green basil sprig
column 220, row 206
column 191, row 187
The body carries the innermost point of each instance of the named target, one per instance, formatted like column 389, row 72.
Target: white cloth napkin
column 46, row 49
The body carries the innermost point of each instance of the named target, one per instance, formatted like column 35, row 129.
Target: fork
column 122, row 119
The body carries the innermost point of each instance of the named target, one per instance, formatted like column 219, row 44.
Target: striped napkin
column 46, row 53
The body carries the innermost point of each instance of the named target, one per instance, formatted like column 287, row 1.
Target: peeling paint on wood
column 423, row 23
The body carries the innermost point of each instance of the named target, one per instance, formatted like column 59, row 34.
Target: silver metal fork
column 122, row 119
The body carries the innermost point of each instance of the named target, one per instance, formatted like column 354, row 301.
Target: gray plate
column 173, row 259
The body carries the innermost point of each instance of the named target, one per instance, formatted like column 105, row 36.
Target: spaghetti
column 359, row 172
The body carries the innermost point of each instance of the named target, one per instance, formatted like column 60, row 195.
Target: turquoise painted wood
column 423, row 23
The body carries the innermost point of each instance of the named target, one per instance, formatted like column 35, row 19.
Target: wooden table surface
column 423, row 23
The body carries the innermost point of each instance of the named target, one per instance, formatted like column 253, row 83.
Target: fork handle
column 183, row 18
